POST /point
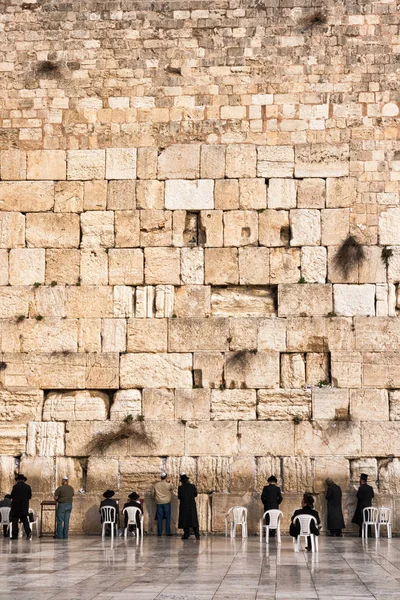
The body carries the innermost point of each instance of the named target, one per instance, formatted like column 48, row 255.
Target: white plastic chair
column 370, row 517
column 275, row 517
column 108, row 517
column 305, row 531
column 237, row 515
column 5, row 517
column 131, row 511
column 384, row 519
column 35, row 521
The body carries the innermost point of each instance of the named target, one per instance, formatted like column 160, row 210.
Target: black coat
column 20, row 496
column 364, row 500
column 295, row 527
column 271, row 497
column 187, row 493
column 109, row 502
column 334, row 499
column 134, row 504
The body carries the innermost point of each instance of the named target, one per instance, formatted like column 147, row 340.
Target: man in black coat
column 271, row 497
column 134, row 503
column 109, row 501
column 187, row 493
column 20, row 496
column 335, row 515
column 364, row 500
column 307, row 509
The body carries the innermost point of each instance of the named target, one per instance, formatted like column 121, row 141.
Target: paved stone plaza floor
column 219, row 568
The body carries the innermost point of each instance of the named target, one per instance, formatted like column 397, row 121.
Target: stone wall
column 177, row 181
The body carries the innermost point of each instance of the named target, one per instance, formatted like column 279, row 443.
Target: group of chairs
column 109, row 517
column 376, row 518
column 6, row 521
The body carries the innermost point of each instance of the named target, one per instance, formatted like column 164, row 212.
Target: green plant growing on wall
column 302, row 280
column 349, row 255
column 126, row 430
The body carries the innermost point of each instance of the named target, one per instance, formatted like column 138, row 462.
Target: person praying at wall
column 307, row 508
column 109, row 501
column 162, row 492
column 365, row 495
column 335, row 515
column 20, row 496
column 271, row 497
column 63, row 495
column 134, row 502
column 188, row 519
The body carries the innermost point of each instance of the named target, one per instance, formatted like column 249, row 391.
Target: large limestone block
column 102, row 370
column 192, row 404
column 275, row 161
column 242, row 471
column 336, row 466
column 94, row 266
column 242, row 301
column 252, row 369
column 21, row 405
column 282, row 194
column 62, row 266
column 267, row 438
column 212, row 474
column 40, row 473
column 13, row 165
column 293, row 370
column 265, row 467
column 125, row 266
column 159, row 404
column 341, row 193
column 3, row 267
column 330, row 403
column 14, row 301
column 147, row 335
column 327, row 438
column 50, row 230
column 273, row 228
column 162, row 370
column 389, row 226
column 240, row 228
column 370, row 405
column 204, row 438
column 212, row 161
column 81, row 439
column 389, row 476
column 27, row 266
column 123, row 301
column 126, row 402
column 26, row 196
column 284, row 264
column 69, row 197
column 159, row 440
column 314, row 264
column 175, row 465
column 377, row 335
column 179, row 161
column 127, row 228
column 221, row 266
column 304, row 300
column 298, row 474
column 47, row 371
column 210, row 228
column 192, row 266
column 47, row 164
column 12, row 439
column 394, row 403
column 253, row 266
column 192, row 301
column 121, row 195
column 322, row 160
column 45, row 439
column 95, row 195
column 83, row 405
column 192, row 335
column 102, row 474
column 189, row 195
column 252, row 194
column 243, row 333
column 305, row 227
column 381, row 370
column 89, row 335
column 86, row 164
column 232, row 405
column 317, row 367
column 147, row 163
column 155, row 228
column 380, row 439
column 226, row 194
column 89, row 302
column 208, row 368
column 311, row 193
column 272, row 334
column 12, row 230
column 97, row 229
column 346, row 369
column 354, row 300
column 150, row 194
column 306, row 334
column 241, row 160
column 162, row 266
column 139, row 475
column 52, row 335
column 121, row 163
column 283, row 405
column 7, row 469
column 73, row 468
column 335, row 226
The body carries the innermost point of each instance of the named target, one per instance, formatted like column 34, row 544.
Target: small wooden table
column 45, row 507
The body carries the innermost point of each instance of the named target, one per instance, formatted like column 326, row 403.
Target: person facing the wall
column 134, row 503
column 335, row 515
column 109, row 501
column 307, row 508
column 162, row 492
column 188, row 519
column 20, row 496
column 365, row 495
column 271, row 497
column 63, row 495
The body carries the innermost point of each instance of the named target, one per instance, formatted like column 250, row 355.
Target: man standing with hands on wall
column 63, row 495
column 162, row 493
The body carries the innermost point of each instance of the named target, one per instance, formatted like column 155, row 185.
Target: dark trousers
column 5, row 530
column 25, row 523
column 164, row 512
column 186, row 532
column 336, row 532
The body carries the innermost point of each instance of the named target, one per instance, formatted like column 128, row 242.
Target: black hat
column 20, row 477
column 272, row 479
column 364, row 476
column 184, row 477
column 133, row 496
column 108, row 494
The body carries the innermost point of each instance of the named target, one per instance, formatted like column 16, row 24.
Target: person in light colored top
column 162, row 491
column 64, row 495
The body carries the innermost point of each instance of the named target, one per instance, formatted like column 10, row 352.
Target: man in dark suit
column 188, row 519
column 335, row 514
column 109, row 501
column 20, row 496
column 365, row 495
column 271, row 497
column 307, row 509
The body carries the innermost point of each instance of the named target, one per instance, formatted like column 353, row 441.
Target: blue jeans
column 164, row 512
column 63, row 514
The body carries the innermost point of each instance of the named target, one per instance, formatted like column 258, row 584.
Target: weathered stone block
column 26, row 196
column 241, row 160
column 232, row 405
column 191, row 335
column 89, row 335
column 275, row 161
column 260, row 438
column 242, row 474
column 252, row 369
column 226, row 194
column 370, row 405
column 140, row 474
column 243, row 333
column 125, row 266
column 52, row 335
column 346, row 369
column 377, row 335
column 322, row 160
column 121, row 163
column 310, row 299
column 48, row 371
column 204, row 438
column 192, row 301
column 21, row 406
column 155, row 439
column 192, row 265
column 102, row 370
column 192, row 404
column 212, row 162
column 213, row 474
column 68, row 197
column 179, row 161
column 330, row 403
column 252, row 194
column 254, row 266
column 12, row 230
column 47, row 164
column 45, row 439
column 394, row 403
column 273, row 228
column 317, row 368
column 159, row 405
column 336, row 466
column 150, row 194
column 293, row 371
column 389, row 226
column 242, row 301
column 341, row 193
column 221, row 266
column 380, row 439
column 72, row 467
column 13, row 166
column 155, row 228
column 86, row 164
column 381, row 369
column 272, row 335
column 305, row 227
column 126, row 402
column 389, row 476
column 266, row 466
column 284, row 264
column 240, row 228
column 94, row 266
column 12, row 440
column 208, row 366
column 147, row 163
column 354, row 300
column 298, row 474
column 326, row 438
column 163, row 370
column 113, row 335
column 210, row 228
column 49, row 230
column 80, row 439
column 147, row 335
column 334, row 226
column 162, row 265
column 123, row 301
column 311, row 193
column 283, row 405
column 3, row 267
column 40, row 473
column 95, row 195
column 26, row 266
column 89, row 302
column 189, row 195
column 127, row 229
column 97, row 229
column 314, row 264
column 7, row 469
column 121, row 195
column 282, row 193
column 175, row 465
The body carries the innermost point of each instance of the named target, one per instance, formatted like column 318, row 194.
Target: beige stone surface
column 380, row 439
column 233, row 405
column 212, row 162
column 241, row 160
column 327, row 438
column 221, row 266
column 210, row 228
column 21, row 406
column 192, row 404
column 273, row 227
column 341, row 192
column 389, row 223
column 97, row 229
column 26, row 266
column 272, row 334
column 147, row 163
column 95, row 195
column 254, row 266
column 311, row 193
column 69, row 197
column 275, row 161
column 317, row 368
column 189, row 195
column 12, row 439
column 252, row 194
column 208, row 367
column 243, row 333
column 305, row 227
column 158, row 405
column 389, row 476
column 377, row 334
column 283, row 405
column 334, row 226
column 39, row 471
column 126, row 402
column 260, row 438
column 86, row 164
column 213, row 473
column 125, row 266
column 102, row 370
column 155, row 228
column 204, row 438
column 309, row 299
column 336, row 466
column 62, row 266
column 282, row 193
column 147, row 335
column 322, row 160
column 192, row 301
column 46, row 164
column 354, row 300
column 7, row 468
column 89, row 302
column 73, row 468
column 31, row 335
column 123, row 301
column 150, row 194
column 284, row 265
column 226, row 194
column 394, row 403
column 45, row 439
column 192, row 265
column 94, row 266
column 121, row 163
column 293, row 371
column 242, row 474
column 252, row 369
column 26, row 196
column 164, row 370
column 113, row 335
column 162, row 265
column 14, row 301
column 298, row 474
column 127, row 229
column 179, row 161
column 12, row 230
column 346, row 369
column 13, row 164
column 192, row 335
column 242, row 301
column 314, row 264
column 371, row 405
column 48, row 230
column 380, row 370
column 240, row 228
column 330, row 403
column 121, row 195
column 3, row 267
column 139, row 475
column 89, row 335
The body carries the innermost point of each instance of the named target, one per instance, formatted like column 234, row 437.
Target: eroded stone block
column 293, row 371
column 12, row 230
column 121, row 163
column 212, row 162
column 389, row 226
column 86, row 164
column 147, row 335
column 327, row 438
column 113, row 335
column 45, row 439
column 211, row 365
column 46, row 164
column 275, row 161
column 330, row 403
column 125, row 266
column 192, row 301
column 192, row 404
column 260, row 438
column 68, row 197
column 354, row 300
column 204, row 438
column 282, row 193
column 226, row 194
column 97, row 229
column 311, row 193
column 370, row 405
column 94, row 266
column 26, row 266
column 283, row 405
column 150, row 194
column 49, row 230
column 252, row 369
column 252, row 194
column 125, row 403
column 159, row 404
column 322, row 160
column 305, row 227
column 189, row 195
column 240, row 228
column 309, row 299
column 121, row 195
column 26, row 196
column 179, row 161
column 314, row 264
column 21, row 406
column 273, row 227
column 341, row 192
column 12, row 440
column 163, row 370
column 284, row 265
column 241, row 160
column 162, row 266
column 242, row 301
column 235, row 404
column 221, row 266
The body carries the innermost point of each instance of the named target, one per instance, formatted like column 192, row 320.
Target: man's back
column 20, row 496
column 163, row 492
column 65, row 494
column 271, row 497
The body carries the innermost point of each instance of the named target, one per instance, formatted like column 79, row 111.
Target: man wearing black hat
column 134, row 502
column 335, row 515
column 20, row 496
column 271, row 497
column 187, row 493
column 364, row 500
column 109, row 501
